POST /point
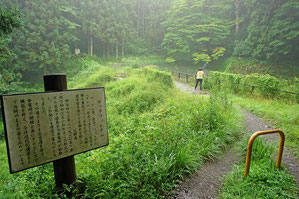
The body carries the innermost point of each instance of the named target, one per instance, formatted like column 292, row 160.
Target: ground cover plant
column 263, row 181
column 157, row 136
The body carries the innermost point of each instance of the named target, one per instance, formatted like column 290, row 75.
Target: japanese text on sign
column 44, row 127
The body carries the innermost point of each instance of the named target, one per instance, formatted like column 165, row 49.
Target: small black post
column 187, row 78
column 64, row 169
column 179, row 75
column 252, row 89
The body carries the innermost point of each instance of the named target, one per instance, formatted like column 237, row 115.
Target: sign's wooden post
column 64, row 169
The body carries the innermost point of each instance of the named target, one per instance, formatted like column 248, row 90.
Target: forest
column 45, row 34
column 158, row 134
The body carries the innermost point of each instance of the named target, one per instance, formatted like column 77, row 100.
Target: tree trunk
column 123, row 47
column 236, row 2
column 116, row 51
column 108, row 51
column 104, row 49
column 138, row 22
column 88, row 43
column 111, row 50
column 143, row 20
column 91, row 45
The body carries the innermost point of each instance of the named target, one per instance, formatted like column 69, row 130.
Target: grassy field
column 157, row 135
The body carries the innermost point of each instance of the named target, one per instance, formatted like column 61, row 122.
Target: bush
column 153, row 75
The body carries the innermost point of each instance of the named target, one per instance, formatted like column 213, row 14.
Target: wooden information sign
column 44, row 127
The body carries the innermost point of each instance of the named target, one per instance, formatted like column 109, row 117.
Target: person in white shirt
column 199, row 78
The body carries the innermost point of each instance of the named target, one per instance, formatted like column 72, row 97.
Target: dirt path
column 206, row 182
column 189, row 89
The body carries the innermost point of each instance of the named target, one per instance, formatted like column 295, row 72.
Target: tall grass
column 157, row 136
column 263, row 181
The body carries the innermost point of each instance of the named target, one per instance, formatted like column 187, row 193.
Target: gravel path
column 206, row 182
column 189, row 89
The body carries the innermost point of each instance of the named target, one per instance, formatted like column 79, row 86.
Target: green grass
column 263, row 180
column 94, row 76
column 157, row 136
column 282, row 115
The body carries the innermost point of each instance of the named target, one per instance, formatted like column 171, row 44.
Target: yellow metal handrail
column 250, row 143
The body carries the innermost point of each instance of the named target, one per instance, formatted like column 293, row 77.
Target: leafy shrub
column 152, row 75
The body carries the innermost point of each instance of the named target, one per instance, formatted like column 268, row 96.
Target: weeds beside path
column 206, row 182
column 289, row 160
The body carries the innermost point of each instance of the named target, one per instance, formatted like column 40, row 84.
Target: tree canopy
column 201, row 31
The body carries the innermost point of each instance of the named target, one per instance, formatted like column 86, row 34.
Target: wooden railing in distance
column 250, row 143
column 182, row 75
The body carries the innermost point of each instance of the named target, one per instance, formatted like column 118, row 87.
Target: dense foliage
column 198, row 29
column 9, row 20
column 201, row 32
column 272, row 31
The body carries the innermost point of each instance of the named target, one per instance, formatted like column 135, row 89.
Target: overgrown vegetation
column 263, row 181
column 157, row 136
column 282, row 115
column 194, row 31
column 252, row 85
column 260, row 94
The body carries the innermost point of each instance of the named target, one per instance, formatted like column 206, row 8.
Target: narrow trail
column 189, row 89
column 206, row 182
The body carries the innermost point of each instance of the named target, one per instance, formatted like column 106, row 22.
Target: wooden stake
column 64, row 169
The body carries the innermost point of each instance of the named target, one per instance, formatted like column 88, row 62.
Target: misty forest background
column 157, row 134
column 41, row 36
